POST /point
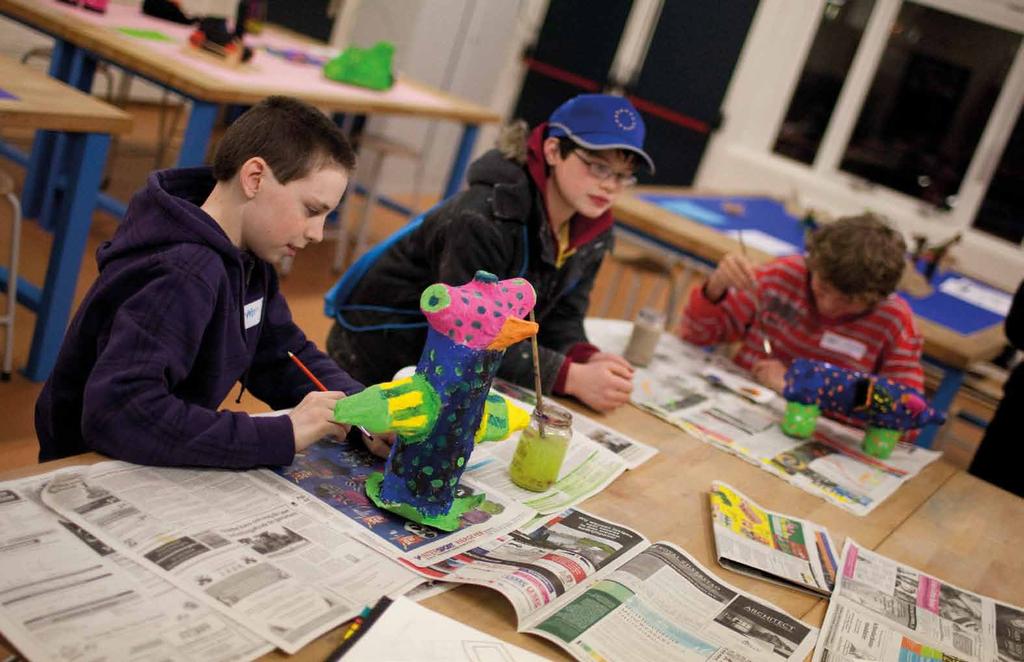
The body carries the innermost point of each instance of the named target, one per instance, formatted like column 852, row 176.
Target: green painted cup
column 880, row 442
column 800, row 420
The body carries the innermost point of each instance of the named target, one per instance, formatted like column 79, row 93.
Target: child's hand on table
column 770, row 373
column 601, row 385
column 379, row 444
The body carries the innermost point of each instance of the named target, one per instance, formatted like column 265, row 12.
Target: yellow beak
column 512, row 331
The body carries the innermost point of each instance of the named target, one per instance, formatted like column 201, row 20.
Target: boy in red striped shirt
column 837, row 304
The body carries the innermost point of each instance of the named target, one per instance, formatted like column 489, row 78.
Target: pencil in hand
column 320, row 385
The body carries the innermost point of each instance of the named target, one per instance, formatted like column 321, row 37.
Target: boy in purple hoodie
column 187, row 304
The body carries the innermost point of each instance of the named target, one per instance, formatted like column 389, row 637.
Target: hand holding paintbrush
column 766, row 344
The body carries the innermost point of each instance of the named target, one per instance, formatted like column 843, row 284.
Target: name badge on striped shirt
column 253, row 313
column 843, row 345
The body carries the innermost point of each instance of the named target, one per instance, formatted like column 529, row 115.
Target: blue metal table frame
column 77, row 157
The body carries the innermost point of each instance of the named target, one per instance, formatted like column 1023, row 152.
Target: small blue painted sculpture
column 444, row 408
column 888, row 408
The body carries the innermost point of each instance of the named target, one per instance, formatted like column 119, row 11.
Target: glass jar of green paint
column 541, row 449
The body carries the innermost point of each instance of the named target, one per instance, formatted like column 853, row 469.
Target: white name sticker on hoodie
column 253, row 313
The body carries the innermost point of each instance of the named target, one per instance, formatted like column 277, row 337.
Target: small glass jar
column 644, row 340
column 538, row 458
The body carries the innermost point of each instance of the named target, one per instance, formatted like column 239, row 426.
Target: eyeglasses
column 603, row 171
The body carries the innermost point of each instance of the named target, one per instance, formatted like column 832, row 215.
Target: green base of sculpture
column 800, row 420
column 447, row 522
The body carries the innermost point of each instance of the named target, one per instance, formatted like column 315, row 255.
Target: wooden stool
column 7, row 320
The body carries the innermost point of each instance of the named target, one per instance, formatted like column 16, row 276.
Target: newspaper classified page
column 884, row 610
column 64, row 594
column 272, row 564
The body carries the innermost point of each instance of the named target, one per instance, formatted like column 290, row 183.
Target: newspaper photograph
column 767, row 545
column 632, row 451
column 273, row 564
column 337, row 473
column 663, row 605
column 532, row 569
column 64, row 594
column 884, row 610
column 676, row 387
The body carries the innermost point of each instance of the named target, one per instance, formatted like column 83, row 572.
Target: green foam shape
column 365, row 67
column 880, row 442
column 447, row 522
column 800, row 420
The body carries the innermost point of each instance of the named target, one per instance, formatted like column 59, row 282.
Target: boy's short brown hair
column 858, row 255
column 293, row 137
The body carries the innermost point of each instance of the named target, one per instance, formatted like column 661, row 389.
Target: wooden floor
column 304, row 288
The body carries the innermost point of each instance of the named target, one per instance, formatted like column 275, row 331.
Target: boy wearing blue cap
column 538, row 206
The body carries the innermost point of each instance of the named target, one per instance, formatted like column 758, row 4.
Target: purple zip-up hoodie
column 176, row 318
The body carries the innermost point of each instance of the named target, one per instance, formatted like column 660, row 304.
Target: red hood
column 582, row 229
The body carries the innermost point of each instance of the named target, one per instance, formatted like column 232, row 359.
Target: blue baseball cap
column 601, row 121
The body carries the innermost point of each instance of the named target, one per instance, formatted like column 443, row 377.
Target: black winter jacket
column 498, row 224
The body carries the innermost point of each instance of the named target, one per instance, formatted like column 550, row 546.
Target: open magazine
column 771, row 546
column 601, row 591
column 676, row 387
column 886, row 611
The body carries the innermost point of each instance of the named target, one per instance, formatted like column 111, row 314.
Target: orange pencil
column 304, row 369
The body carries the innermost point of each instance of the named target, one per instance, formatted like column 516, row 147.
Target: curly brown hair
column 861, row 256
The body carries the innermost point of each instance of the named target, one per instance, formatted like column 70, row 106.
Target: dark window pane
column 828, row 61
column 930, row 100
column 1002, row 210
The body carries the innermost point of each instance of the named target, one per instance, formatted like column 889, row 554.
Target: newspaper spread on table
column 66, row 595
column 587, row 469
column 632, row 451
column 830, row 465
column 280, row 565
column 778, row 548
column 884, row 610
column 336, row 474
column 601, row 591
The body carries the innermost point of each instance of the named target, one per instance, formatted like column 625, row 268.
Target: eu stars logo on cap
column 601, row 121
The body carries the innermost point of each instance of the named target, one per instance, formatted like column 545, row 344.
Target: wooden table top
column 667, row 499
column 968, row 533
column 941, row 343
column 44, row 103
column 170, row 62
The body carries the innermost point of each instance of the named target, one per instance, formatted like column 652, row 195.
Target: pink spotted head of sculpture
column 485, row 313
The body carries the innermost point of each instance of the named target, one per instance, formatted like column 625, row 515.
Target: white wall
column 739, row 156
column 469, row 48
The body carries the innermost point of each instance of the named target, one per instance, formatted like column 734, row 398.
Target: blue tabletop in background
column 770, row 216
